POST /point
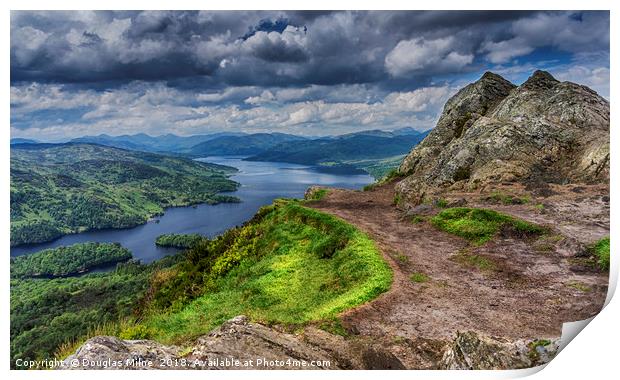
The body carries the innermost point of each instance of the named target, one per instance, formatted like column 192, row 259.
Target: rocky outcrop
column 108, row 352
column 473, row 351
column 237, row 344
column 492, row 131
column 240, row 344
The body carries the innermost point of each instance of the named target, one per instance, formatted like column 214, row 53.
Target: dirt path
column 532, row 289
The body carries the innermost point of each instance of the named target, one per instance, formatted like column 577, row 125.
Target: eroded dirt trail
column 530, row 291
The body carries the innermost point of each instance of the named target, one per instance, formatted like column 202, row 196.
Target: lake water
column 261, row 183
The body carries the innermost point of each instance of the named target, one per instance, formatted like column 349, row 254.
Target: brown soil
column 529, row 288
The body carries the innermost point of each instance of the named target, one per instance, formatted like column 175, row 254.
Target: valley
column 470, row 255
column 259, row 184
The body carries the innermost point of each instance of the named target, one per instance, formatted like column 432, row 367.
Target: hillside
column 58, row 189
column 67, row 261
column 363, row 150
column 289, row 264
column 49, row 313
column 22, row 141
column 241, row 145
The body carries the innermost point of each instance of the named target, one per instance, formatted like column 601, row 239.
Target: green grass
column 476, row 261
column 500, row 197
column 403, row 259
column 442, row 203
column 397, row 199
column 392, row 174
column 317, row 195
column 370, row 187
column 291, row 265
column 417, row 219
column 334, row 325
column 601, row 251
column 418, row 277
column 480, row 225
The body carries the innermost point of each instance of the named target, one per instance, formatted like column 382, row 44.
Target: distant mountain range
column 144, row 142
column 373, row 151
column 244, row 145
column 23, row 141
column 355, row 146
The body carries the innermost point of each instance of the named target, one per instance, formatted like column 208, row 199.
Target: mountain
column 241, row 145
column 58, row 189
column 543, row 131
column 22, row 141
column 359, row 149
column 334, row 276
column 144, row 142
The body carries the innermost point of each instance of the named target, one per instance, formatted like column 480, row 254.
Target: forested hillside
column 66, row 261
column 375, row 152
column 59, row 189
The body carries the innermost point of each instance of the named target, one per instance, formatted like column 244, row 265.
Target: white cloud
column 265, row 97
column 504, row 51
column 157, row 109
column 419, row 54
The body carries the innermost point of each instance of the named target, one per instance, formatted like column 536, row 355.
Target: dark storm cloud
column 282, row 48
column 75, row 73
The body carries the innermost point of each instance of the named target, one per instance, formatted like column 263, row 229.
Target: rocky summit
column 491, row 131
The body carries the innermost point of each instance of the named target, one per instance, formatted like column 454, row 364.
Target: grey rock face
column 255, row 346
column 239, row 344
column 108, row 352
column 492, row 131
column 472, row 351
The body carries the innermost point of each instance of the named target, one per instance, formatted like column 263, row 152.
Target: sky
column 313, row 73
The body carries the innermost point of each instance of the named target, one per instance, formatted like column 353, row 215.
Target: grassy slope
column 291, row 265
column 58, row 189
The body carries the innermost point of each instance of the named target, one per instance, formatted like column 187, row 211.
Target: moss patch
column 601, row 251
column 533, row 351
column 477, row 261
column 334, row 326
column 480, row 225
column 418, row 277
column 417, row 219
column 507, row 199
column 580, row 286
